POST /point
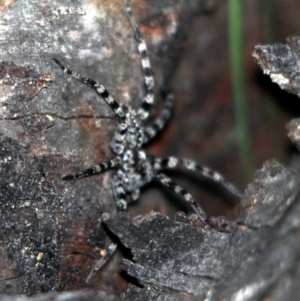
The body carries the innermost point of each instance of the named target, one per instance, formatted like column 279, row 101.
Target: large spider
column 133, row 166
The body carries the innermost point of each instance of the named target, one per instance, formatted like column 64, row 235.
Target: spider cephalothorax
column 133, row 166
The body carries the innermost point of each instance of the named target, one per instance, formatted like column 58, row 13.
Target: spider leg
column 152, row 130
column 119, row 193
column 100, row 168
column 183, row 193
column 102, row 91
column 173, row 162
column 146, row 66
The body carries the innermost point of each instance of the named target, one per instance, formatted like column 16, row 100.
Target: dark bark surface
column 51, row 232
column 280, row 61
column 246, row 260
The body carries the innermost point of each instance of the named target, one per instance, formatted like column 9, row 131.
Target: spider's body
column 133, row 166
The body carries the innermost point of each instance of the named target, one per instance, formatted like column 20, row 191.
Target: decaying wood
column 51, row 231
column 281, row 62
column 245, row 260
column 50, row 125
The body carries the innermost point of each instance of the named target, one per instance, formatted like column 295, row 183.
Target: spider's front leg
column 121, row 130
column 148, row 99
column 152, row 130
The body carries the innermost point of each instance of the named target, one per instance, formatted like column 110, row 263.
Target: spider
column 133, row 166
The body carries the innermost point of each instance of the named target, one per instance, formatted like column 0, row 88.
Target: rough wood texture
column 280, row 61
column 51, row 232
column 246, row 260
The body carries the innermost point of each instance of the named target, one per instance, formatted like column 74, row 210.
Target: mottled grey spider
column 133, row 166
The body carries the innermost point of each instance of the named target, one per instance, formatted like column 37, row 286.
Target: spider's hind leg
column 119, row 193
column 166, row 181
column 173, row 162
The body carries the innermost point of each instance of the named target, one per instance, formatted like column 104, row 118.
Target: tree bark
column 51, row 125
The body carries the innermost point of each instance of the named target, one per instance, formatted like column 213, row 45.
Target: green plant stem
column 239, row 87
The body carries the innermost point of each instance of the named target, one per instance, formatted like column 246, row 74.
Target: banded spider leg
column 132, row 166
